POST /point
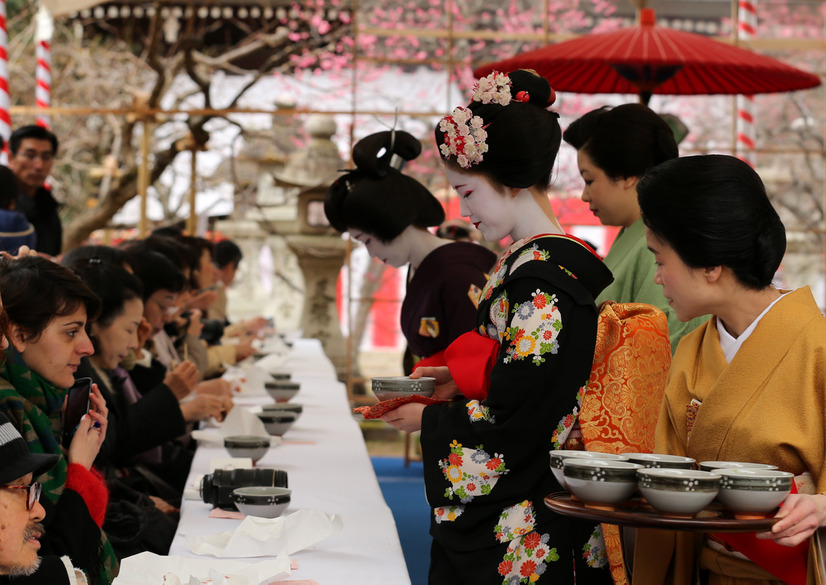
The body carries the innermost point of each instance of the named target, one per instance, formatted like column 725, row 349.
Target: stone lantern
column 319, row 248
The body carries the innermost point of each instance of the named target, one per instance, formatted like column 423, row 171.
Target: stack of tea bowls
column 671, row 484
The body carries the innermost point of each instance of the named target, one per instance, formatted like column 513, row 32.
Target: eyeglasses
column 168, row 310
column 32, row 491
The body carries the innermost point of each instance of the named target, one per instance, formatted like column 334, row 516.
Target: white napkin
column 239, row 421
column 271, row 344
column 272, row 362
column 247, row 380
column 148, row 568
column 259, row 537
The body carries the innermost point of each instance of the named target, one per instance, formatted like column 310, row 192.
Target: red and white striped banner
column 746, row 130
column 5, row 101
column 43, row 88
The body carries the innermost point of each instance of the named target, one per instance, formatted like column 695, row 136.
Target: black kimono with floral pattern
column 486, row 463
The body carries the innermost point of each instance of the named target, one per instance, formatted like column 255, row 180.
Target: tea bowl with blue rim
column 558, row 457
column 601, row 483
column 677, row 492
column 753, row 493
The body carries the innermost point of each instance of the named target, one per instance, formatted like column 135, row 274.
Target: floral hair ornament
column 493, row 89
column 464, row 137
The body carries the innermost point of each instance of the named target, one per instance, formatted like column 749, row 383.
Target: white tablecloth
column 329, row 469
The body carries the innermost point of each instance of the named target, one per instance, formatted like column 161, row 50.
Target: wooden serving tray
column 636, row 512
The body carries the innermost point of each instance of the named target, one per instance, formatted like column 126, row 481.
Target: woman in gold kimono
column 750, row 384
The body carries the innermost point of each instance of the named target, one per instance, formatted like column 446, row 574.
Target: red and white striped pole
column 43, row 88
column 746, row 131
column 5, row 101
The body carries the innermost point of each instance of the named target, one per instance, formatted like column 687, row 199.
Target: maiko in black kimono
column 486, row 461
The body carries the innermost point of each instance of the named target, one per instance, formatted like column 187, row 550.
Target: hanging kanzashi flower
column 493, row 89
column 464, row 137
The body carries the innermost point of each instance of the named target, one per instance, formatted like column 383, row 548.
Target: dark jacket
column 134, row 428
column 42, row 211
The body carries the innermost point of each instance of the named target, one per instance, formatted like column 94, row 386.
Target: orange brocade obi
column 621, row 402
column 622, row 399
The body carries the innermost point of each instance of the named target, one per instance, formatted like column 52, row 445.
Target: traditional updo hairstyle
column 523, row 137
column 376, row 197
column 624, row 141
column 713, row 211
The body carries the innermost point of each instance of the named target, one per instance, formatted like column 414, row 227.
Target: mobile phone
column 77, row 404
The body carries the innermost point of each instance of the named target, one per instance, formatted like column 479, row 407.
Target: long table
column 329, row 469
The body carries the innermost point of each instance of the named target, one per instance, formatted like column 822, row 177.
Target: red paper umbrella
column 648, row 59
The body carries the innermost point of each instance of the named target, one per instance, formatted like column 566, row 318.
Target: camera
column 216, row 488
column 213, row 331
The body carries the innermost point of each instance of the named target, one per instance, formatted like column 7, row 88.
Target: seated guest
column 108, row 254
column 196, row 303
column 179, row 335
column 47, row 307
column 162, row 282
column 137, row 422
column 22, row 515
column 228, row 258
column 15, row 229
column 140, row 515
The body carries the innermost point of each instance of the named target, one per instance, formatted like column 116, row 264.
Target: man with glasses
column 21, row 514
column 32, row 153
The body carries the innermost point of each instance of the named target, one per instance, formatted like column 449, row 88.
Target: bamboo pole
column 138, row 113
column 192, row 220
column 143, row 176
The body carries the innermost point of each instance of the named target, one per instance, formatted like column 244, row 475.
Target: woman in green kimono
column 516, row 378
column 749, row 384
column 615, row 147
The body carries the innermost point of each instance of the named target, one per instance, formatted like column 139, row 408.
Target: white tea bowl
column 712, row 465
column 263, row 501
column 753, row 493
column 661, row 460
column 559, row 455
column 251, row 446
column 601, row 483
column 677, row 492
column 389, row 387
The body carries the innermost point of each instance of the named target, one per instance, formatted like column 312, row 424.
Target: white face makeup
column 492, row 212
column 395, row 252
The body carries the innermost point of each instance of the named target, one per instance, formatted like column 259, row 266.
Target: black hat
column 15, row 458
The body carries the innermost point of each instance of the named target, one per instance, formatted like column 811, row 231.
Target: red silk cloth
column 470, row 358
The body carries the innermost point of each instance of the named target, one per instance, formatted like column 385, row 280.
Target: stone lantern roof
column 316, row 165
